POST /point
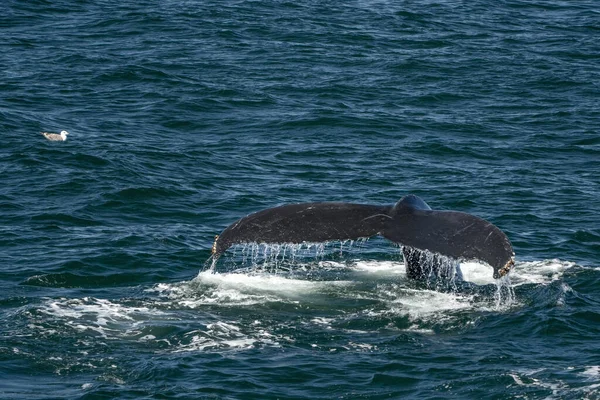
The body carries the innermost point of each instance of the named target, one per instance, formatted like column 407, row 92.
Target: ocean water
column 185, row 116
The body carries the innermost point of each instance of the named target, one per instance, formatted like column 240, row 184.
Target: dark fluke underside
column 410, row 223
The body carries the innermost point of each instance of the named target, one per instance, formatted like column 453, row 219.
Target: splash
column 434, row 271
column 540, row 272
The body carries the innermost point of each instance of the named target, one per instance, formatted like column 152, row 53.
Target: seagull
column 55, row 136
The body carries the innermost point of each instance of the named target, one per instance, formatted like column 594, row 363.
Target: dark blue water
column 185, row 116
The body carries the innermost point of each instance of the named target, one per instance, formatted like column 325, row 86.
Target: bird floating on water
column 56, row 136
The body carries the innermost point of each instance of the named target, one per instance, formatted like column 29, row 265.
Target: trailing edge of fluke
column 410, row 223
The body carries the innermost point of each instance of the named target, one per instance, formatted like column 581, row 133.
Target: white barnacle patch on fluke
column 507, row 267
column 214, row 246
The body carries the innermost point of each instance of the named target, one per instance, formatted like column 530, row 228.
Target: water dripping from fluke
column 432, row 271
column 438, row 271
column 274, row 258
column 442, row 273
column 505, row 292
column 210, row 264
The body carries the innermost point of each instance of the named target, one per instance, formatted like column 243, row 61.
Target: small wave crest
column 571, row 382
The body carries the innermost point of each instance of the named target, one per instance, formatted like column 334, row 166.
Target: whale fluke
column 410, row 223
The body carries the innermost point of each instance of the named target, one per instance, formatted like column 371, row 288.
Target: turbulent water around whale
column 185, row 116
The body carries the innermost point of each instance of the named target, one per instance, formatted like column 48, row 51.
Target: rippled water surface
column 184, row 116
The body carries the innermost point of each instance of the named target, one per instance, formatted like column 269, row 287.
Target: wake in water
column 318, row 307
column 281, row 297
column 264, row 306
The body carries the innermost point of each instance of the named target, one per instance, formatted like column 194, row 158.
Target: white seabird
column 55, row 136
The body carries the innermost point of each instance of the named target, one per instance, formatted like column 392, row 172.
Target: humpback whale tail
column 410, row 223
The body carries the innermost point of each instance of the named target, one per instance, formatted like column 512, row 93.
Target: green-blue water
column 185, row 116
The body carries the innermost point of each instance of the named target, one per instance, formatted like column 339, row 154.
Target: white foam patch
column 422, row 307
column 539, row 272
column 264, row 282
column 102, row 316
column 383, row 268
column 367, row 347
column 418, row 304
column 428, row 312
column 219, row 334
column 477, row 273
column 227, row 335
column 416, row 329
column 242, row 289
column 190, row 295
column 109, row 320
column 592, row 372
